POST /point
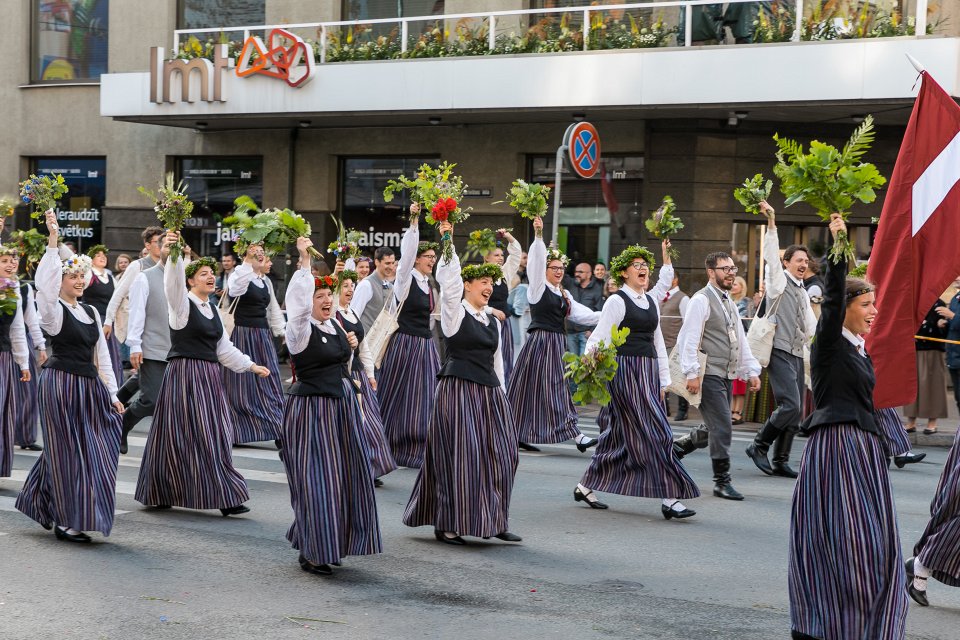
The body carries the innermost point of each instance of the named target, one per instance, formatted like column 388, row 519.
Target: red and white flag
column 916, row 254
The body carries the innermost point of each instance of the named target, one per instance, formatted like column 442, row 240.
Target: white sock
column 919, row 570
column 580, row 439
column 74, row 532
column 449, row 534
column 588, row 493
column 676, row 505
column 668, row 502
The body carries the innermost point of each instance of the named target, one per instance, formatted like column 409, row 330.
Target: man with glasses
column 712, row 326
column 789, row 304
column 373, row 291
column 588, row 292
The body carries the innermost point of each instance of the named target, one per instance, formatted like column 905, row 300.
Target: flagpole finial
column 916, row 63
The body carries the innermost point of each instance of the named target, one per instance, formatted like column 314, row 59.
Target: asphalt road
column 579, row 573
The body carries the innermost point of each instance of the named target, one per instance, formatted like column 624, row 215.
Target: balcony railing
column 660, row 23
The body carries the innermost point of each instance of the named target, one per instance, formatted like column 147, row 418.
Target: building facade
column 87, row 93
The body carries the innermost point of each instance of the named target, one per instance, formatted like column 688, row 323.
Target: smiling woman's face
column 322, row 304
column 861, row 312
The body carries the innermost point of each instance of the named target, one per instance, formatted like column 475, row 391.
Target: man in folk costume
column 788, row 305
column 152, row 243
column 712, row 326
column 374, row 290
column 672, row 307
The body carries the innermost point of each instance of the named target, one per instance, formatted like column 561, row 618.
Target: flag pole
column 916, row 63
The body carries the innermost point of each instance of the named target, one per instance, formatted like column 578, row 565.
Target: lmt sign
column 163, row 73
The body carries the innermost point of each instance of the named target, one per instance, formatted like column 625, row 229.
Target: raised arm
column 512, row 263
column 834, row 307
column 451, row 292
column 299, row 300
column 536, row 266
column 48, row 278
column 175, row 288
column 408, row 255
column 664, row 282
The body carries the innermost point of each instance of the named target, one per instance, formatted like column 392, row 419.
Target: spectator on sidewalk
column 931, row 401
column 952, row 316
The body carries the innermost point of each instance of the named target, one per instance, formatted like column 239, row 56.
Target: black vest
column 98, row 295
column 24, row 290
column 252, row 306
column 549, row 313
column 73, row 347
column 357, row 329
column 642, row 323
column 414, row 318
column 199, row 338
column 322, row 366
column 498, row 299
column 471, row 351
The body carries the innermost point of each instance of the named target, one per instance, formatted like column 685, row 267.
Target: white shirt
column 363, row 294
column 612, row 315
column 856, row 341
column 537, row 277
column 688, row 340
column 48, row 278
column 103, row 277
column 453, row 308
column 684, row 302
column 18, row 338
column 31, row 319
column 178, row 308
column 244, row 276
column 405, row 271
column 778, row 278
column 137, row 308
column 300, row 320
column 121, row 291
column 512, row 263
column 366, row 357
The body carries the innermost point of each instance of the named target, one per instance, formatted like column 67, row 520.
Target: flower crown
column 629, row 255
column 325, row 282
column 77, row 264
column 555, row 254
column 98, row 248
column 9, row 250
column 425, row 246
column 345, row 275
column 198, row 264
column 477, row 271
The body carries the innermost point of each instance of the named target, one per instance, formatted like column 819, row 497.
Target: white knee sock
column 919, row 570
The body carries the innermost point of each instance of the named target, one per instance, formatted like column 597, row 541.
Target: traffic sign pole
column 582, row 143
column 557, row 180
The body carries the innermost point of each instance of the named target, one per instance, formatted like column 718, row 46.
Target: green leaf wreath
column 753, row 191
column 594, row 369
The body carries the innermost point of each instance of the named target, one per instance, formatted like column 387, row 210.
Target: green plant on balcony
column 606, row 32
column 838, row 20
column 358, row 43
column 774, row 24
column 193, row 47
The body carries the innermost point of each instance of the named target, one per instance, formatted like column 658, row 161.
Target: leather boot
column 682, row 407
column 761, row 445
column 697, row 439
column 781, row 455
column 129, row 422
column 721, row 479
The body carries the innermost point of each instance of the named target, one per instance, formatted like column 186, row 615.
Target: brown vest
column 670, row 327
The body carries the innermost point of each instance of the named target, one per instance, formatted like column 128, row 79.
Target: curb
column 941, row 439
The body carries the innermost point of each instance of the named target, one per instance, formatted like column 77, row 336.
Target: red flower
column 440, row 215
column 450, row 204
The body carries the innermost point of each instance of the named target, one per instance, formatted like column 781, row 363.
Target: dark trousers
column 715, row 409
column 149, row 378
column 955, row 378
column 785, row 373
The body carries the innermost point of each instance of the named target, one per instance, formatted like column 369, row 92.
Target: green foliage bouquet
column 42, row 192
column 7, row 207
column 594, row 369
column 173, row 209
column 31, row 245
column 482, row 241
column 753, row 191
column 663, row 224
column 529, row 198
column 273, row 229
column 9, row 300
column 829, row 180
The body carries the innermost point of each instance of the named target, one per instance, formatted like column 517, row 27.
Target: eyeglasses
column 428, row 256
column 557, row 268
column 641, row 266
column 728, row 269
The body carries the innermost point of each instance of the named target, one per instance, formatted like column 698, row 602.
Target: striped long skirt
column 407, row 381
column 331, row 483
column 846, row 574
column 27, row 402
column 381, row 460
column 73, row 483
column 116, row 363
column 188, row 460
column 256, row 404
column 939, row 546
column 539, row 395
column 634, row 456
column 506, row 349
column 9, row 377
column 896, row 442
column 467, row 476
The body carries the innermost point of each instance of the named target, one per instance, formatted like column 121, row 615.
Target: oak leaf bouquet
column 663, row 224
column 529, row 198
column 273, row 229
column 173, row 209
column 42, row 192
column 830, row 180
column 595, row 368
column 752, row 192
column 438, row 191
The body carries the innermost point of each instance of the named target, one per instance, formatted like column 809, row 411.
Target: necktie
column 666, row 297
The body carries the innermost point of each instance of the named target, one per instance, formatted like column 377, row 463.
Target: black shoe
column 781, row 454
column 920, row 597
column 456, row 541
column 123, row 444
column 796, row 635
column 527, row 447
column 681, row 416
column 908, row 458
column 592, row 442
column 377, row 482
column 234, row 511
column 278, row 444
column 506, row 536
column 670, row 512
column 33, row 446
column 580, row 496
column 70, row 537
column 721, row 480
column 698, row 438
column 757, row 452
column 317, row 569
column 783, row 469
column 161, row 507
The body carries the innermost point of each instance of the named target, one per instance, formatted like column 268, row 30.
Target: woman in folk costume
column 28, row 404
column 635, row 454
column 100, row 287
column 72, row 487
column 381, row 460
column 541, row 400
column 464, row 486
column 896, row 440
column 14, row 357
column 846, row 572
column 256, row 404
column 408, row 374
column 325, row 451
column 188, row 460
column 501, row 291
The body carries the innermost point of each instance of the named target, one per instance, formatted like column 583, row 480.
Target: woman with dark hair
column 256, row 404
column 72, row 487
column 381, row 460
column 13, row 356
column 363, row 266
column 464, row 486
column 99, row 291
column 188, row 460
column 325, row 453
column 501, row 292
column 635, row 455
column 846, row 573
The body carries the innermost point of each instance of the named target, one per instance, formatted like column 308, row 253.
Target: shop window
column 210, row 14
column 373, row 9
column 361, row 199
column 69, row 40
column 213, row 183
column 585, row 213
column 80, row 211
